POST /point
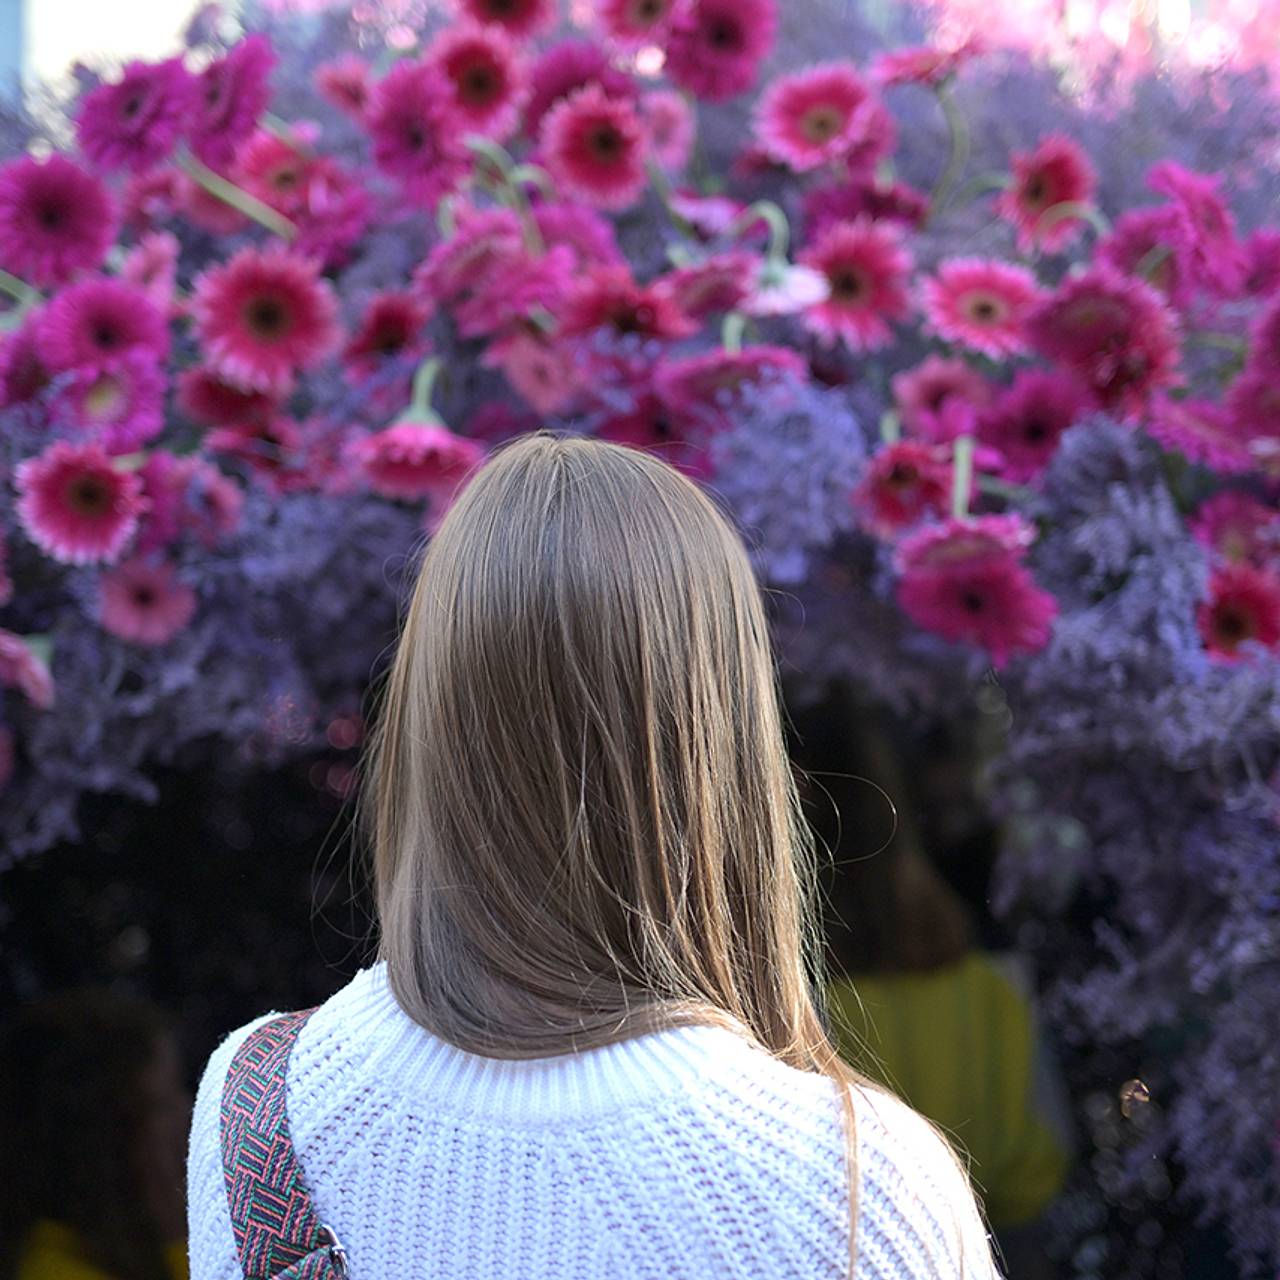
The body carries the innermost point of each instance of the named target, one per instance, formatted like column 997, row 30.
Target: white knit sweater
column 683, row 1153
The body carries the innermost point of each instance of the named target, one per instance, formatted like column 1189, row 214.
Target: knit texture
column 683, row 1153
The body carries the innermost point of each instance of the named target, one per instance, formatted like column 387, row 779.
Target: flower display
column 993, row 393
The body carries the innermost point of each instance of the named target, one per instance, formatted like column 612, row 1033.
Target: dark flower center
column 902, row 475
column 389, row 339
column 1232, row 625
column 89, row 496
column 973, row 601
column 1036, row 192
column 822, row 123
column 606, row 142
column 479, row 83
column 504, row 8
column 647, row 10
column 106, row 335
column 267, row 317
column 286, row 178
column 415, row 136
column 144, row 596
column 723, row 33
column 984, row 309
column 1035, row 431
column 848, row 284
column 50, row 216
column 132, row 105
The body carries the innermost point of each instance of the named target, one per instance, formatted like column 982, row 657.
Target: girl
column 589, row 1047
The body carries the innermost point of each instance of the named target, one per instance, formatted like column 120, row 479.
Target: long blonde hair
column 584, row 823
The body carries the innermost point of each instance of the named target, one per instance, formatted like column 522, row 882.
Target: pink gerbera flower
column 23, row 375
column 565, row 68
column 186, row 494
column 521, row 285
column 390, row 329
column 965, row 581
column 923, row 64
column 1239, row 528
column 346, row 83
column 1056, row 173
column 1262, row 263
column 1217, row 254
column 544, row 373
column 263, row 316
column 882, row 202
column 417, row 460
column 520, row 18
column 1264, row 346
column 823, row 114
column 135, row 122
column 55, row 220
column 609, row 298
column 1026, row 422
column 22, row 669
column 866, row 265
column 581, row 230
column 1114, row 331
column 143, row 602
column 700, row 392
column 1254, row 403
column 1202, row 431
column 671, row 128
column 637, row 21
column 595, row 146
column 903, row 483
column 483, row 68
column 231, row 95
column 152, row 265
column 209, row 400
column 416, row 135
column 267, row 446
column 940, row 398
column 718, row 284
column 482, row 240
column 1243, row 608
column 119, row 403
column 1154, row 245
column 97, row 320
column 716, row 47
column 981, row 304
column 75, row 505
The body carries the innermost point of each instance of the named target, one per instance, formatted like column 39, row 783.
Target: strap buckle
column 337, row 1250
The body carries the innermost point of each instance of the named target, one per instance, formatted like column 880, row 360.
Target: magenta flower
column 118, row 404
column 699, row 392
column 940, row 398
column 135, row 122
column 544, row 373
column 609, row 298
column 267, row 446
column 143, row 602
column 1217, row 254
column 458, row 264
column 416, row 135
column 671, row 128
column 581, row 230
column 345, row 83
column 1056, row 173
column 417, row 460
column 715, row 47
column 97, row 320
column 1264, row 345
column 981, row 304
column 965, row 581
column 1253, row 402
column 23, row 375
column 866, row 265
column 483, row 68
column 1262, row 263
column 1239, row 528
column 923, row 64
column 264, row 316
column 1243, row 608
column 152, row 266
column 209, row 400
column 1155, row 245
column 882, row 202
column 902, row 484
column 565, row 68
column 718, row 284
column 594, row 147
column 633, row 22
column 1114, row 331
column 823, row 114
column 186, row 494
column 75, row 505
column 1025, row 423
column 509, row 294
column 390, row 329
column 519, row 18
column 55, row 220
column 1202, row 431
column 232, row 94
column 21, row 669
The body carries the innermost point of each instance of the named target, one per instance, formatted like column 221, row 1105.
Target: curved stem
column 424, row 382
column 1056, row 213
column 17, row 289
column 735, row 324
column 962, row 477
column 238, row 198
column 779, row 227
column 979, row 185
column 509, row 188
column 890, row 427
column 665, row 192
column 961, row 145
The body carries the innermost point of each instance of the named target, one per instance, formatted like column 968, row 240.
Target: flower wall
column 989, row 376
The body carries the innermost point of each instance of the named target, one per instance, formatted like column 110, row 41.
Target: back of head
column 584, row 822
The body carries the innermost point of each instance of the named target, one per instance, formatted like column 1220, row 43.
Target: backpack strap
column 279, row 1235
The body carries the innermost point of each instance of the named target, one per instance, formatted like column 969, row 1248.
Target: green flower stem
column 17, row 289
column 981, row 185
column 962, row 477
column 1222, row 341
column 961, row 146
column 665, row 192
column 424, row 383
column 1056, row 213
column 890, row 427
column 735, row 324
column 219, row 187
column 779, row 227
column 283, row 130
column 509, row 187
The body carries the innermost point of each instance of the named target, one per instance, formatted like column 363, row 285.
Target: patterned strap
column 278, row 1234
